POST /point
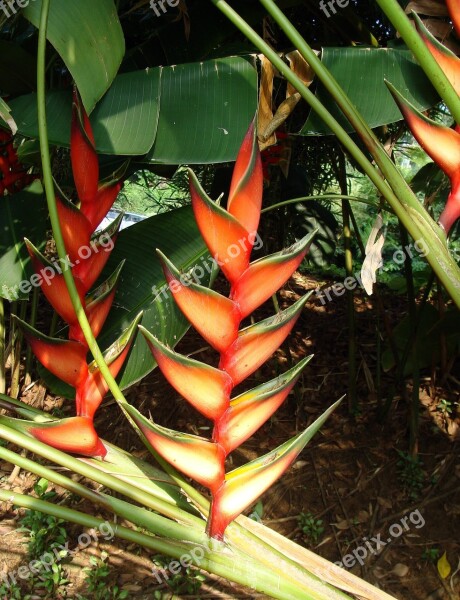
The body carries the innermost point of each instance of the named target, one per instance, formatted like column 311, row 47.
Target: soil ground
column 350, row 475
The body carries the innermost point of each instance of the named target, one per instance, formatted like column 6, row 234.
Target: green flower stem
column 406, row 207
column 83, row 468
column 221, row 561
column 333, row 197
column 436, row 75
column 138, row 516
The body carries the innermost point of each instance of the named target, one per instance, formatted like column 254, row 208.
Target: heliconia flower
column 197, row 302
column 87, row 254
column 13, row 175
column 447, row 60
column 75, row 228
column 454, row 10
column 64, row 358
column 206, row 388
column 245, row 196
column 207, row 466
column 76, row 435
column 245, row 484
column 230, row 235
column 443, row 145
column 54, row 286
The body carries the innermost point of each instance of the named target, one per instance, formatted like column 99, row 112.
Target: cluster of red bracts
column 441, row 143
column 229, row 235
column 13, row 175
column 87, row 253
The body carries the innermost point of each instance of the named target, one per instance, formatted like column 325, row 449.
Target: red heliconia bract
column 87, row 254
column 230, row 236
column 454, row 10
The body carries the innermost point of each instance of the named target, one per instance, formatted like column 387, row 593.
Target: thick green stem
column 401, row 199
column 436, row 75
column 228, row 564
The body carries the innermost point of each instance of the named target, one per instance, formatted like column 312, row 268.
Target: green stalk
column 245, row 571
column 2, row 347
column 16, row 349
column 406, row 207
column 435, row 74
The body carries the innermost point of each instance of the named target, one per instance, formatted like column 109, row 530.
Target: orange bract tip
column 76, row 435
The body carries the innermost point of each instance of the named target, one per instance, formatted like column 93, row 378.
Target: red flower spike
column 249, row 411
column 265, row 276
column 194, row 456
column 102, row 244
column 91, row 393
column 218, row 319
column 454, row 10
column 245, row 197
column 258, row 342
column 446, row 59
column 100, row 204
column 75, row 227
column 206, row 388
column 76, row 435
column 198, row 303
column 245, row 484
column 228, row 241
column 439, row 142
column 85, row 166
column 53, row 285
column 451, row 211
column 65, row 359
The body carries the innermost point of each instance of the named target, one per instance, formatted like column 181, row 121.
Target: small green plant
column 311, row 528
column 187, row 581
column 410, row 474
column 12, row 592
column 97, row 582
column 46, row 536
column 445, row 407
column 430, row 554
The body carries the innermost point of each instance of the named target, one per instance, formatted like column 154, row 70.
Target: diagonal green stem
column 334, row 197
column 2, row 347
column 436, row 75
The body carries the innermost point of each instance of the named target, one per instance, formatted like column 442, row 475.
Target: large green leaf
column 141, row 281
column 204, row 112
column 21, row 215
column 89, row 38
column 361, row 72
